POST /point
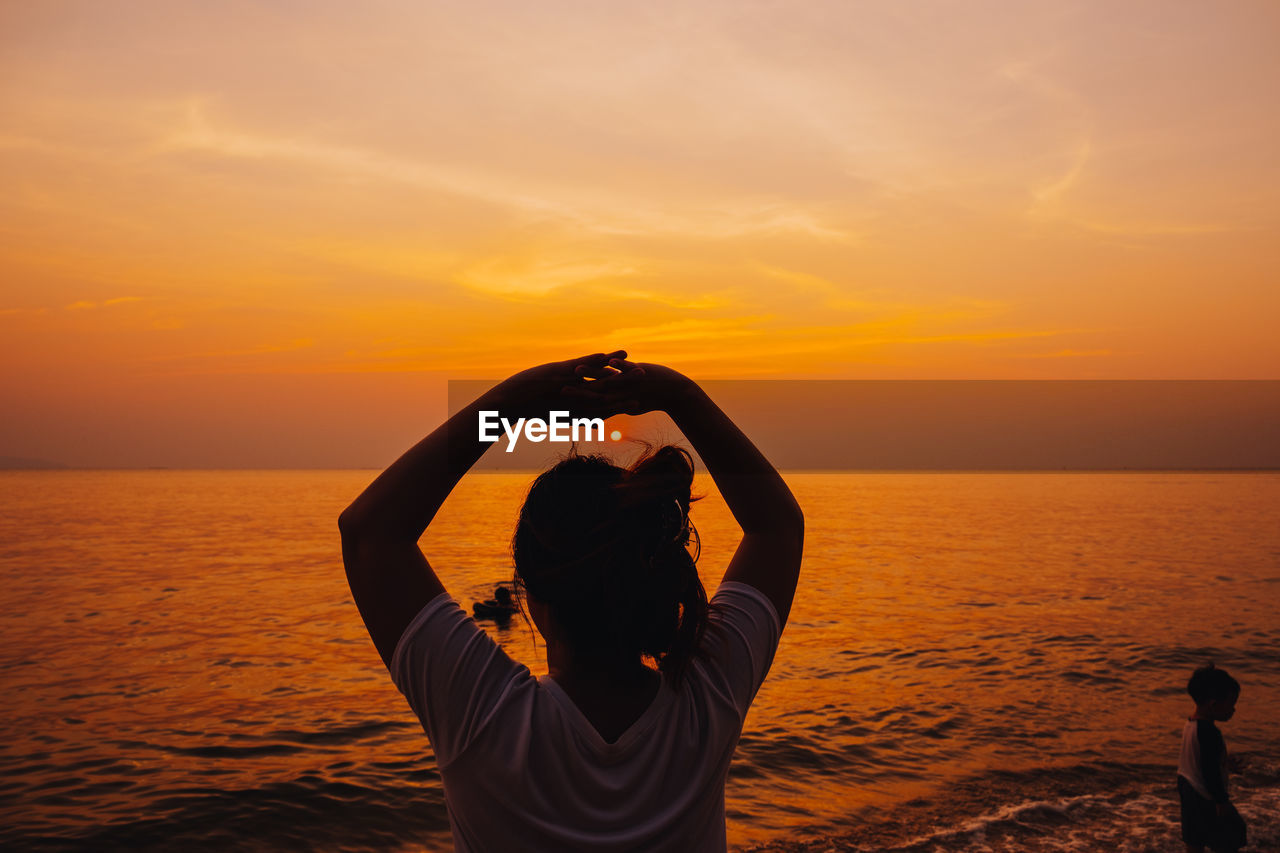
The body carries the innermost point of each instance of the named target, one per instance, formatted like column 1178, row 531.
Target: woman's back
column 525, row 769
column 606, row 559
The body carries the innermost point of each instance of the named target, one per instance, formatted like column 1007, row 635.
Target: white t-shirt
column 523, row 769
column 1203, row 761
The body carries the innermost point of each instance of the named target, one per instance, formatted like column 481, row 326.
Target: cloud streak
column 605, row 213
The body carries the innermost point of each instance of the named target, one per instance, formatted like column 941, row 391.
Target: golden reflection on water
column 173, row 633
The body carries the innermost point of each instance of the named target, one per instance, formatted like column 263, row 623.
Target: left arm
column 389, row 575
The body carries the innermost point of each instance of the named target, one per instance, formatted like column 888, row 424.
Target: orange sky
column 266, row 233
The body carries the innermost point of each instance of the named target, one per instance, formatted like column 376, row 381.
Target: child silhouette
column 1209, row 820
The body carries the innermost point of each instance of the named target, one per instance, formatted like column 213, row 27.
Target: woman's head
column 603, row 549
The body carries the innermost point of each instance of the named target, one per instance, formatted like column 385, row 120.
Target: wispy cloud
column 704, row 330
column 540, row 275
column 1068, row 353
column 607, row 213
column 1157, row 229
column 683, row 302
column 232, row 354
column 1052, row 191
column 88, row 305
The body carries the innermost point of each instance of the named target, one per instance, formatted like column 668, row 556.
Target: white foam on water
column 1089, row 822
column 1146, row 822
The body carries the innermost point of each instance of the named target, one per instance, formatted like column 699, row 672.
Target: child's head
column 1214, row 691
column 604, row 549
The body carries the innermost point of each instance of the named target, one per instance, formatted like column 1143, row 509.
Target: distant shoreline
column 22, row 463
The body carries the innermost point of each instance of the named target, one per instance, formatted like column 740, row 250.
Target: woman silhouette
column 606, row 752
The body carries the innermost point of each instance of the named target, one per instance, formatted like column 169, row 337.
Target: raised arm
column 768, row 558
column 390, row 578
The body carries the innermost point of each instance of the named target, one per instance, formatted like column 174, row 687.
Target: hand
column 631, row 388
column 548, row 386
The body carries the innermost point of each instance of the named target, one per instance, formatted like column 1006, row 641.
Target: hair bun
column 605, row 548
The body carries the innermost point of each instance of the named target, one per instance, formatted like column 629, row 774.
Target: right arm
column 768, row 557
column 1213, row 761
column 390, row 578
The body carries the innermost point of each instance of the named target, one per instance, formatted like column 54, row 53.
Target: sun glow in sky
column 267, row 233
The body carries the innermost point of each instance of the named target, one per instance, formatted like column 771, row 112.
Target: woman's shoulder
column 444, row 642
column 738, row 644
column 737, row 602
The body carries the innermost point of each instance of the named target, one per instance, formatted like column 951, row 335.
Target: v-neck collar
column 661, row 700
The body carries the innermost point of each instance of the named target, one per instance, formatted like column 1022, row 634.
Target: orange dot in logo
column 615, row 435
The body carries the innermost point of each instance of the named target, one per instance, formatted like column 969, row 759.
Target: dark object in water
column 492, row 609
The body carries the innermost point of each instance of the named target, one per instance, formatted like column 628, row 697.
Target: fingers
column 621, row 364
column 600, row 358
column 604, row 384
column 623, row 373
column 589, row 371
column 600, row 365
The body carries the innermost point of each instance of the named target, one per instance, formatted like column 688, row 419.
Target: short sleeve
column 741, row 637
column 453, row 674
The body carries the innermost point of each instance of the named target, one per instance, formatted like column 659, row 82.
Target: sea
column 976, row 661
